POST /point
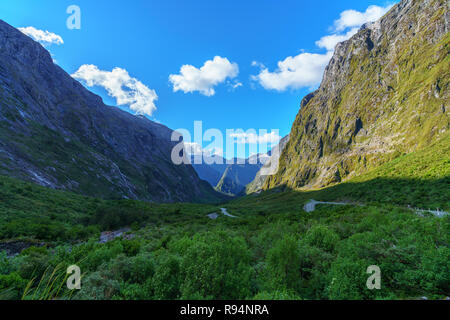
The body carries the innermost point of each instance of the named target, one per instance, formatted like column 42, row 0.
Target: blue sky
column 152, row 40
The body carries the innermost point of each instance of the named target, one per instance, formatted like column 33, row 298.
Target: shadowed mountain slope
column 56, row 133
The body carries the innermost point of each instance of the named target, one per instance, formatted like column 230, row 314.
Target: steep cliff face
column 236, row 176
column 58, row 134
column 384, row 93
column 258, row 183
column 209, row 173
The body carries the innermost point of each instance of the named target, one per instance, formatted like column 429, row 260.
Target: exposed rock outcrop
column 236, row 176
column 257, row 184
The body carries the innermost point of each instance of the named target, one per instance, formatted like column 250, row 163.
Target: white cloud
column 43, row 37
column 119, row 85
column 236, row 85
column 303, row 70
column 261, row 158
column 353, row 18
column 306, row 69
column 244, row 137
column 195, row 149
column 233, row 85
column 216, row 151
column 258, row 64
column 203, row 80
column 330, row 42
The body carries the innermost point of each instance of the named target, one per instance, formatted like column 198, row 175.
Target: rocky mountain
column 208, row 171
column 258, row 182
column 238, row 175
column 384, row 93
column 56, row 133
column 230, row 179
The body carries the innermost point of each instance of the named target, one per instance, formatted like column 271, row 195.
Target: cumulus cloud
column 43, row 37
column 119, row 85
column 253, row 138
column 303, row 70
column 353, row 18
column 330, row 42
column 306, row 69
column 349, row 23
column 203, row 80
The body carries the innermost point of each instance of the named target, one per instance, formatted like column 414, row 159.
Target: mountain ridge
column 384, row 93
column 229, row 177
column 258, row 182
column 237, row 175
column 56, row 133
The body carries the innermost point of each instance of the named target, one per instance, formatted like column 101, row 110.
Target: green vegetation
column 420, row 179
column 375, row 136
column 273, row 250
column 74, row 163
column 374, row 103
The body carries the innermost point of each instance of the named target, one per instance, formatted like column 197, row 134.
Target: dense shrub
column 277, row 295
column 216, row 266
column 274, row 250
column 166, row 282
column 322, row 237
column 283, row 265
column 98, row 286
column 115, row 217
column 12, row 286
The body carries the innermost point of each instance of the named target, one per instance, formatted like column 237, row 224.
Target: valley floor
column 263, row 246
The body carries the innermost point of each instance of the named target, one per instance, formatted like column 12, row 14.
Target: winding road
column 225, row 212
column 311, row 206
column 214, row 216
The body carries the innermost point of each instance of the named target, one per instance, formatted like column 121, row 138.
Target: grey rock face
column 257, row 184
column 209, row 172
column 56, row 133
column 236, row 176
column 230, row 179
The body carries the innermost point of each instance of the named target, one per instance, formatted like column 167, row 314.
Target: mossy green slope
column 30, row 212
column 274, row 250
column 385, row 93
column 420, row 179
